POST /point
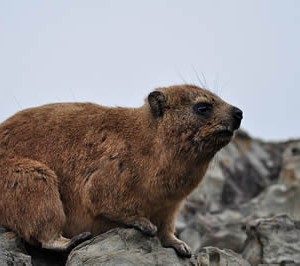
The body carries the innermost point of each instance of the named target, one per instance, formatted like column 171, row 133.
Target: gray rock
column 249, row 173
column 130, row 247
column 226, row 229
column 211, row 256
column 124, row 247
column 275, row 200
column 290, row 168
column 273, row 241
column 223, row 230
column 12, row 251
column 241, row 177
column 240, row 171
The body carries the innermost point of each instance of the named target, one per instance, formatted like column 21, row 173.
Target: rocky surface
column 239, row 172
column 12, row 251
column 245, row 212
column 124, row 247
column 130, row 247
column 223, row 230
column 273, row 241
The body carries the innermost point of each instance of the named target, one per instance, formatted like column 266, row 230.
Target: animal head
column 194, row 119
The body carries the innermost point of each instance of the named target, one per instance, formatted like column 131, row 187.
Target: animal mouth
column 225, row 133
column 221, row 136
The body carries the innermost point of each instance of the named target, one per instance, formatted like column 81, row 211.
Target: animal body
column 71, row 168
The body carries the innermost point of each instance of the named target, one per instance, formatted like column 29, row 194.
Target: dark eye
column 202, row 108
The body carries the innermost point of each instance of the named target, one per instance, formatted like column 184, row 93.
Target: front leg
column 119, row 210
column 166, row 232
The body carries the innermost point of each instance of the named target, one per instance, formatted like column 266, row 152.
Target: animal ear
column 157, row 102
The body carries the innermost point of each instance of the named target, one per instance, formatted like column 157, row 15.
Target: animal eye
column 202, row 108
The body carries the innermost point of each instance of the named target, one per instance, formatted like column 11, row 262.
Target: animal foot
column 181, row 248
column 146, row 227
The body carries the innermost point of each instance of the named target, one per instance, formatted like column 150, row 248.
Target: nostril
column 238, row 113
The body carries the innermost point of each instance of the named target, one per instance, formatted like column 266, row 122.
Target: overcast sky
column 115, row 52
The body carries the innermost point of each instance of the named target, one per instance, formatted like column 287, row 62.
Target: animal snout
column 238, row 116
column 237, row 113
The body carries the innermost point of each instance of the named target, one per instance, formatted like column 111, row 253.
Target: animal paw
column 146, row 227
column 182, row 249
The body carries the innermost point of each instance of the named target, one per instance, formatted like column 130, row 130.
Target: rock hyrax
column 81, row 167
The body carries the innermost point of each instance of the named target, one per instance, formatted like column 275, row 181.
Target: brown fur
column 75, row 167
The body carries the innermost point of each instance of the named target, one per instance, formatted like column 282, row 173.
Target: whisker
column 198, row 77
column 216, row 84
column 181, row 77
column 206, row 85
column 17, row 101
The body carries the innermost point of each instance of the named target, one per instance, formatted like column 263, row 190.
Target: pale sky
column 115, row 52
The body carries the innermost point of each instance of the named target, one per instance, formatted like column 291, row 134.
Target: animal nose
column 237, row 113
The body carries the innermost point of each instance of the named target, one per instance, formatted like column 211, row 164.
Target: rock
column 124, row 247
column 273, row 241
column 276, row 199
column 223, row 230
column 240, row 171
column 43, row 257
column 249, row 173
column 217, row 257
column 116, row 247
column 130, row 247
column 12, row 251
column 290, row 169
column 226, row 229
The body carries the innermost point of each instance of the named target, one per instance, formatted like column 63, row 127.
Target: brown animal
column 76, row 167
